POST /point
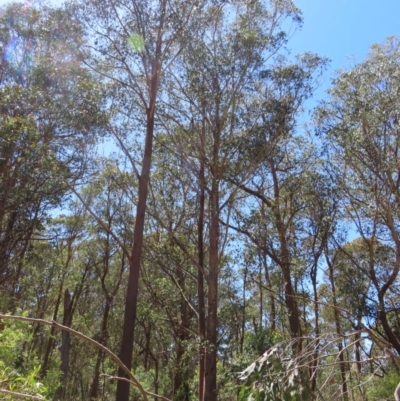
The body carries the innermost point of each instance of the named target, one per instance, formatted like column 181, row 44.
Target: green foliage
column 258, row 342
column 270, row 378
column 359, row 122
column 19, row 368
column 226, row 126
column 49, row 105
column 382, row 388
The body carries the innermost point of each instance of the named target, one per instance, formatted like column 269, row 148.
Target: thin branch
column 21, row 395
column 114, row 357
column 98, row 219
column 161, row 397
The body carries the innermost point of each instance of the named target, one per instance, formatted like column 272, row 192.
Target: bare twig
column 21, row 395
column 161, row 397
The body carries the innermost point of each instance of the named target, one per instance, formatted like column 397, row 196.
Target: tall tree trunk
column 243, row 325
column 181, row 386
column 291, row 305
column 136, row 253
column 200, row 270
column 290, row 295
column 271, row 298
column 94, row 385
column 314, row 362
column 210, row 385
column 338, row 333
column 260, row 289
column 50, row 342
column 65, row 345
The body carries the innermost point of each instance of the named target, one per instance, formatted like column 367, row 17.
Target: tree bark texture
column 122, row 393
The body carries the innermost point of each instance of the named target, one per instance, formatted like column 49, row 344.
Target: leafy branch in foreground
column 280, row 374
column 277, row 374
column 131, row 378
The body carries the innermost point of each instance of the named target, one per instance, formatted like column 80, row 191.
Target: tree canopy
column 169, row 226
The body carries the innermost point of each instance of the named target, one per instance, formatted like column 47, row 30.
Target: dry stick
column 21, row 395
column 114, row 357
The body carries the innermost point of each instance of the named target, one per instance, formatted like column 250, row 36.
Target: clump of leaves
column 382, row 388
column 19, row 370
column 271, row 378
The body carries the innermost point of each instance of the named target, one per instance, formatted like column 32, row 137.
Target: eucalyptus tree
column 278, row 191
column 173, row 209
column 275, row 207
column 107, row 196
column 215, row 82
column 359, row 124
column 142, row 48
column 49, row 109
column 132, row 43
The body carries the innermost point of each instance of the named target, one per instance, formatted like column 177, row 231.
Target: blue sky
column 343, row 30
column 340, row 29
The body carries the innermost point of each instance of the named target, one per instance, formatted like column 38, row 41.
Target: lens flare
column 37, row 45
column 17, row 47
